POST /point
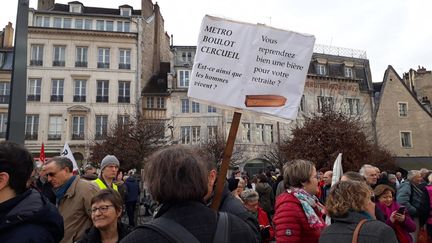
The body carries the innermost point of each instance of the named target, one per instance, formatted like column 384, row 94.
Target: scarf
column 308, row 203
column 61, row 191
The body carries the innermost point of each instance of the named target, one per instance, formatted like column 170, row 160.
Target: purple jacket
column 408, row 225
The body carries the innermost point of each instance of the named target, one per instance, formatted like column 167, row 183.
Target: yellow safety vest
column 102, row 185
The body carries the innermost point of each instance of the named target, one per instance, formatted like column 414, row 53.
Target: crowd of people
column 297, row 204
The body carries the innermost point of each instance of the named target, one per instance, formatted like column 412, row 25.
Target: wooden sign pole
column 220, row 182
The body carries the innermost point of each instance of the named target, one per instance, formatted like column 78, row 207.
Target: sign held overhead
column 251, row 67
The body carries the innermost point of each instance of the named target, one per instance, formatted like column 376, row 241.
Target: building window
column 109, row 25
column 406, row 139
column 36, row 55
column 81, row 56
column 126, row 12
column 42, row 21
column 101, row 127
column 80, row 90
column 123, row 26
column 150, row 102
column 195, row 107
column 34, row 90
column 4, row 92
column 75, row 8
column 3, row 124
column 211, row 109
column 62, row 23
column 268, row 133
column 102, row 91
column 196, row 134
column 403, row 109
column 31, row 127
column 124, row 92
column 187, row 56
column 183, row 78
column 78, row 127
column 55, row 127
column 260, row 133
column 124, row 62
column 100, row 25
column 321, row 69
column 325, row 103
column 122, row 120
column 59, row 56
column 160, row 102
column 104, row 25
column 246, row 136
column 352, row 106
column 185, row 105
column 79, row 24
column 302, row 107
column 103, row 58
column 88, row 24
column 185, row 135
column 212, row 133
column 349, row 72
column 67, row 23
column 57, row 90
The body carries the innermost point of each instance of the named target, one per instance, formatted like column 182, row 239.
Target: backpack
column 178, row 234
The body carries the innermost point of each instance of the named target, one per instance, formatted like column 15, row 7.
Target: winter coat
column 372, row 231
column 266, row 196
column 290, row 221
column 264, row 223
column 75, row 208
column 30, row 217
column 406, row 227
column 132, row 189
column 92, row 235
column 196, row 218
column 232, row 205
column 410, row 196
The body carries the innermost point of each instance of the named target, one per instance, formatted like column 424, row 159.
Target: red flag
column 42, row 154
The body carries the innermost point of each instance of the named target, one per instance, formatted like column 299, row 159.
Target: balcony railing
column 54, row 136
column 36, row 62
column 123, row 99
column 80, row 64
column 58, row 63
column 33, row 97
column 78, row 136
column 103, row 65
column 4, row 99
column 124, row 66
column 103, row 99
column 31, row 136
column 79, row 98
column 57, row 98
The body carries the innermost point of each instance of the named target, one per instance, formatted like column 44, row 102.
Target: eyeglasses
column 102, row 209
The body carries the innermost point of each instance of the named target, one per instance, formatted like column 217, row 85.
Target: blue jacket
column 133, row 189
column 30, row 217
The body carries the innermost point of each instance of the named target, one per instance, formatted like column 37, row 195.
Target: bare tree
column 131, row 142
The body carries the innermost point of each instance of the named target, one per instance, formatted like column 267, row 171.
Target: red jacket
column 263, row 222
column 290, row 221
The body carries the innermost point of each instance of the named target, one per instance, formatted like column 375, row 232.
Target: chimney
column 7, row 36
column 45, row 4
column 146, row 8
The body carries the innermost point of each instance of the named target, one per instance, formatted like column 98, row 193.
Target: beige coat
column 75, row 209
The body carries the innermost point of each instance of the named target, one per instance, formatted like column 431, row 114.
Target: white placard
column 234, row 60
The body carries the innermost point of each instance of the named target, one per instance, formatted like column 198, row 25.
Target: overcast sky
column 392, row 32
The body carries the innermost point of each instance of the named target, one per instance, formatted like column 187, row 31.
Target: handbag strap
column 357, row 230
column 222, row 229
column 171, row 230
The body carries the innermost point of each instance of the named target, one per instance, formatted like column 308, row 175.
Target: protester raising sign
column 253, row 67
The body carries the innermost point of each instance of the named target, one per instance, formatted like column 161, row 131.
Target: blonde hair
column 297, row 172
column 345, row 196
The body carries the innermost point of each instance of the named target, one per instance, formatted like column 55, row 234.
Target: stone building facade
column 403, row 122
column 341, row 82
column 6, row 59
column 83, row 74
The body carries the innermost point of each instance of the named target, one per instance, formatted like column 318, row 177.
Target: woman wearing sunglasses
column 106, row 210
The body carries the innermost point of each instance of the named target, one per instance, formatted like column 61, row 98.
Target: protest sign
column 252, row 67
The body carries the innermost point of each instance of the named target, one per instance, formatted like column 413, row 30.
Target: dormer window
column 126, row 12
column 75, row 7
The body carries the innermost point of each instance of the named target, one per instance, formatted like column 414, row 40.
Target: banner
column 251, row 67
column 67, row 152
column 337, row 169
column 42, row 154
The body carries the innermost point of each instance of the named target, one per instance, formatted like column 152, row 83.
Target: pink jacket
column 408, row 225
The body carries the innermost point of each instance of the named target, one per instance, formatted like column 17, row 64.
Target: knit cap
column 109, row 160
